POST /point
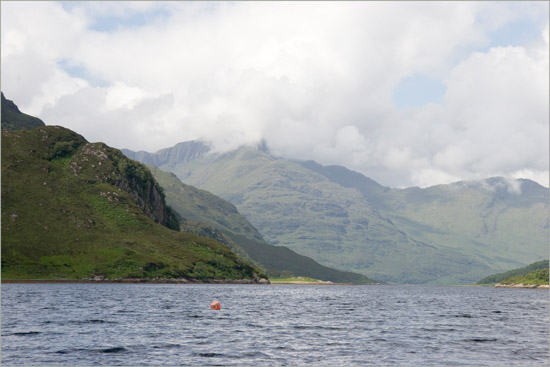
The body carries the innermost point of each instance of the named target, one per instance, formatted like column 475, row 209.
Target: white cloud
column 120, row 95
column 540, row 176
column 32, row 43
column 497, row 106
column 427, row 176
column 508, row 184
column 315, row 80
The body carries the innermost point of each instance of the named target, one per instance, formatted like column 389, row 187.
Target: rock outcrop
column 99, row 162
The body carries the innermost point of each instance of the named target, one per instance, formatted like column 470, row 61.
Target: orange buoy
column 215, row 305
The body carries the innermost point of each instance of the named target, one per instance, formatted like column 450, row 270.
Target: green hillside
column 447, row 234
column 208, row 215
column 73, row 210
column 537, row 277
column 13, row 119
column 503, row 223
column 520, row 272
column 197, row 205
column 489, row 219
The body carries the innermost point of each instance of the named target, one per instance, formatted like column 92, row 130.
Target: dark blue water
column 146, row 324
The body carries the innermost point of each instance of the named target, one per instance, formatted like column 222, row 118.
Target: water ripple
column 108, row 324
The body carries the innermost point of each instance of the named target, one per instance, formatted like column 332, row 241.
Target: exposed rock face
column 259, row 280
column 150, row 199
column 100, row 163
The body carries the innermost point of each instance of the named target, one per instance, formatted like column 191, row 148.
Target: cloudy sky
column 406, row 93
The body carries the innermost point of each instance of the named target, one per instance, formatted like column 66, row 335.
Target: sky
column 407, row 93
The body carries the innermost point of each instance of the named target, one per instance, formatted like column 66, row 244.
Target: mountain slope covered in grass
column 73, row 209
column 446, row 234
column 485, row 218
column 208, row 215
column 503, row 223
column 535, row 278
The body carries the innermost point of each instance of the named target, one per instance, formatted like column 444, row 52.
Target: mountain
column 503, row 223
column 446, row 234
column 208, row 215
column 78, row 210
column 487, row 216
column 526, row 270
column 13, row 119
column 180, row 153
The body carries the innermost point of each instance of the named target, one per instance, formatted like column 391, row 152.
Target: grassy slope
column 197, row 205
column 502, row 277
column 62, row 220
column 231, row 228
column 486, row 220
column 537, row 277
column 13, row 119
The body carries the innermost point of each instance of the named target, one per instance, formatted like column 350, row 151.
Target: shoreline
column 261, row 281
column 148, row 281
column 289, row 282
column 171, row 281
column 521, row 285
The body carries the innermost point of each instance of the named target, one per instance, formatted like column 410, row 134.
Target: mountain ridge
column 195, row 149
column 181, row 152
column 346, row 220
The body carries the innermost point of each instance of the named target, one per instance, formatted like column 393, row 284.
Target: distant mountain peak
column 262, row 147
column 181, row 152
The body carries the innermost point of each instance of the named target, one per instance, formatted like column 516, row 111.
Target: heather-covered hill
column 73, row 209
